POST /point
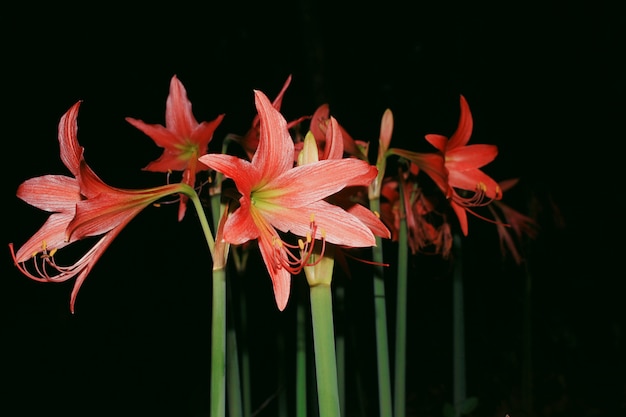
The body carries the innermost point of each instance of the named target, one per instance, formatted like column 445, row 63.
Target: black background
column 545, row 82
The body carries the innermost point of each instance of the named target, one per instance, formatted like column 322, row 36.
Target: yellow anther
column 323, row 233
column 309, row 238
column 377, row 214
column 53, row 251
column 312, row 218
column 301, row 244
column 44, row 245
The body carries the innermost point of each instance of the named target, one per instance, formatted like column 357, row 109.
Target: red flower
column 82, row 206
column 182, row 138
column 455, row 168
column 276, row 196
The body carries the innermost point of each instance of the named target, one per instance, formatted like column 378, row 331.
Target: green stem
column 218, row 344
column 301, row 373
column 235, row 406
column 206, row 229
column 458, row 330
column 341, row 344
column 324, row 346
column 380, row 318
column 401, row 311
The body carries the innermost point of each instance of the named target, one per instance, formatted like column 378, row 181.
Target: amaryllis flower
column 82, row 206
column 455, row 168
column 182, row 138
column 278, row 197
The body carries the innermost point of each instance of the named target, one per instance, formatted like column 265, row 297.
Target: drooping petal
column 461, row 214
column 339, row 226
column 240, row 226
column 472, row 180
column 281, row 278
column 49, row 236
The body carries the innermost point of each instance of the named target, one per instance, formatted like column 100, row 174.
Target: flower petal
column 464, row 129
column 305, row 184
column 470, row 157
column 54, row 193
column 275, row 153
column 179, row 117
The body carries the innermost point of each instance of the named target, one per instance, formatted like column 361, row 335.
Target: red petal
column 464, row 129
column 178, row 115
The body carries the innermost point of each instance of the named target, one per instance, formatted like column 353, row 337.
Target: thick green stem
column 401, row 307
column 301, row 373
column 218, row 344
column 324, row 346
column 235, row 404
column 458, row 330
column 380, row 318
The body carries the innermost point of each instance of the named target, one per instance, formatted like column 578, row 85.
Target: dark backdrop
column 545, row 82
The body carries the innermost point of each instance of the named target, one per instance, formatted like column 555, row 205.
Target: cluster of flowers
column 289, row 193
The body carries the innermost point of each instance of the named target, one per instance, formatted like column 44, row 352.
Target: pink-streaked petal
column 162, row 136
column 470, row 157
column 71, row 151
column 275, row 153
column 168, row 161
column 240, row 226
column 464, row 129
column 278, row 101
column 281, row 278
column 371, row 220
column 52, row 233
column 334, row 141
column 340, row 227
column 241, row 171
column 90, row 184
column 308, row 183
column 100, row 214
column 203, row 133
column 50, row 192
column 319, row 122
column 178, row 114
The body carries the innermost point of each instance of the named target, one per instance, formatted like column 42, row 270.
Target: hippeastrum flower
column 278, row 197
column 455, row 168
column 182, row 138
column 82, row 206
